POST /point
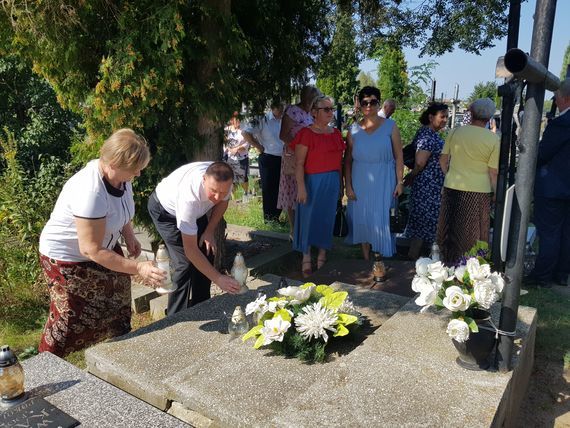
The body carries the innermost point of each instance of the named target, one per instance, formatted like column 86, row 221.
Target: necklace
column 320, row 130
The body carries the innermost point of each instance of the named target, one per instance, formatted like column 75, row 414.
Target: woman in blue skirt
column 318, row 152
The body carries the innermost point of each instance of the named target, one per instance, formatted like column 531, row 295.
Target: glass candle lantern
column 378, row 268
column 11, row 379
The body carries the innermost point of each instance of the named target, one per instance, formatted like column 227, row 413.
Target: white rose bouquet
column 461, row 289
column 301, row 320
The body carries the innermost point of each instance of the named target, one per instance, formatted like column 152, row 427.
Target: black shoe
column 563, row 281
column 531, row 281
column 543, row 284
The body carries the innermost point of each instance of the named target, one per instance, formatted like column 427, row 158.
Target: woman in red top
column 318, row 152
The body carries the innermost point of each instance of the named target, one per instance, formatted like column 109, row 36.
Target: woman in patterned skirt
column 469, row 160
column 427, row 178
column 295, row 118
column 88, row 277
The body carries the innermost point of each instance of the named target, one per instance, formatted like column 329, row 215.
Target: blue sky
column 468, row 69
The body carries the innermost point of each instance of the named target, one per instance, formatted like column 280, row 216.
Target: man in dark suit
column 552, row 197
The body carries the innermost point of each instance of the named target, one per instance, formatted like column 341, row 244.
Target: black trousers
column 270, row 170
column 552, row 220
column 186, row 278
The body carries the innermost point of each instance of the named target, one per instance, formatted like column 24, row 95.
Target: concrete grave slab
column 401, row 373
column 96, row 404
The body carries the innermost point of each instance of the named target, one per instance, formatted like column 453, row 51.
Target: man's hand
column 208, row 239
column 228, row 284
column 350, row 194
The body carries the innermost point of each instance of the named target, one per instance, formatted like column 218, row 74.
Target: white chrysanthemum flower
column 458, row 330
column 274, row 329
column 315, row 321
column 258, row 306
column 298, row 295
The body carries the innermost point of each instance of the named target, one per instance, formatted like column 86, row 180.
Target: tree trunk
column 208, row 128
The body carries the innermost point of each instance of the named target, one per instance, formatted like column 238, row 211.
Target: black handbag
column 409, row 153
column 397, row 222
column 340, row 223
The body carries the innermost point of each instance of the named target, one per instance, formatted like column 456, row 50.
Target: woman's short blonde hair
column 125, row 149
column 319, row 99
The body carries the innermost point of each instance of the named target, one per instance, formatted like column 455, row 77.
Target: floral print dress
column 287, row 198
column 425, row 199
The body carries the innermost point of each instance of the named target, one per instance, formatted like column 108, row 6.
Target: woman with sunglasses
column 374, row 166
column 318, row 153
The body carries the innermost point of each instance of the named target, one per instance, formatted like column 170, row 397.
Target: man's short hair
column 221, row 171
column 564, row 89
column 482, row 109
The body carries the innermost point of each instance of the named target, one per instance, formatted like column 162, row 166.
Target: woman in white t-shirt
column 88, row 276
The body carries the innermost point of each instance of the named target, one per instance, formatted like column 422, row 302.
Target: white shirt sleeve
column 88, row 204
column 186, row 214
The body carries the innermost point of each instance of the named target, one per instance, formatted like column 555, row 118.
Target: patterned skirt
column 88, row 303
column 287, row 196
column 463, row 220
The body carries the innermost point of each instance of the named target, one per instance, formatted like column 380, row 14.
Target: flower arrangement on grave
column 462, row 289
column 301, row 321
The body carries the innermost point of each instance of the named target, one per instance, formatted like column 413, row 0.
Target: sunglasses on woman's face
column 371, row 103
column 326, row 109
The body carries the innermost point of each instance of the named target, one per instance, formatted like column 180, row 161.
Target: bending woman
column 88, row 277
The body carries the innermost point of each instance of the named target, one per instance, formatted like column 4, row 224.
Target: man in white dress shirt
column 179, row 209
column 388, row 109
column 263, row 134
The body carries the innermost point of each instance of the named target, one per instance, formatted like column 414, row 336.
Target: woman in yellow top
column 469, row 160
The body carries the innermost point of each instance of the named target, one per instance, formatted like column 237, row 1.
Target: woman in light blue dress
column 374, row 168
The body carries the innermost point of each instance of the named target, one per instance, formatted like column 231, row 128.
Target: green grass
column 553, row 328
column 250, row 214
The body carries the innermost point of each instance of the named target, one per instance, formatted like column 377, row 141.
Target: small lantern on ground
column 435, row 254
column 239, row 272
column 378, row 268
column 238, row 324
column 11, row 379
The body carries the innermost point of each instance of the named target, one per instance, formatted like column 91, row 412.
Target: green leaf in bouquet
column 472, row 324
column 252, row 333
column 285, row 315
column 439, row 302
column 325, row 290
column 334, row 300
column 307, row 285
column 346, row 319
column 259, row 342
column 341, row 330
